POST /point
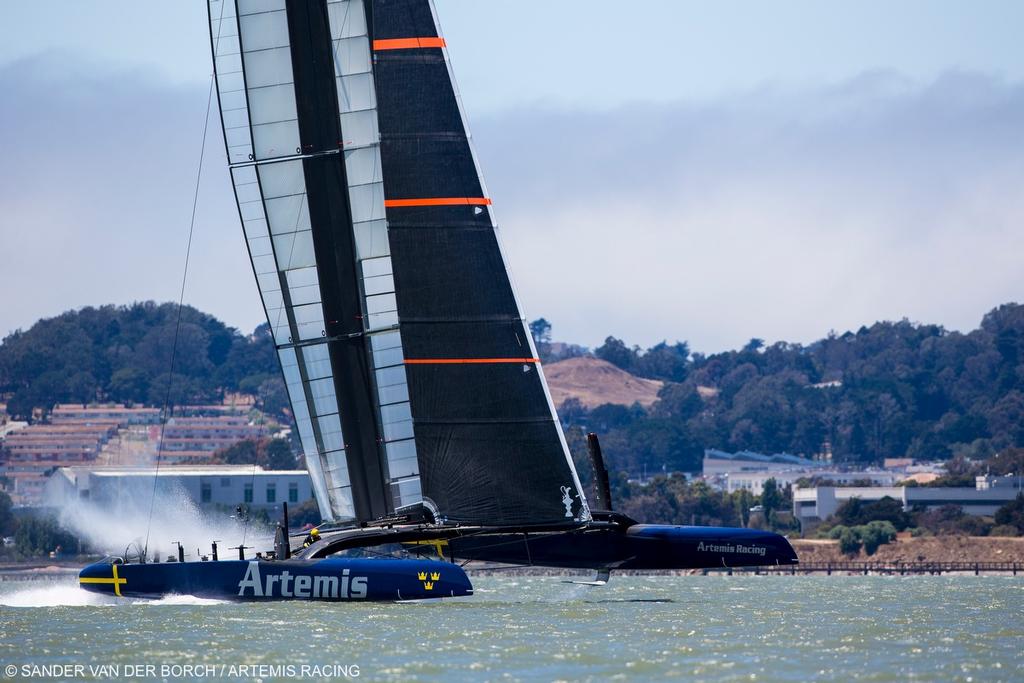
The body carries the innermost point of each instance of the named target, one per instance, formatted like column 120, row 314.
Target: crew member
column 313, row 537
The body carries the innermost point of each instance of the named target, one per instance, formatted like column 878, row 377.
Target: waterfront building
column 225, row 486
column 754, row 481
column 811, row 506
column 718, row 462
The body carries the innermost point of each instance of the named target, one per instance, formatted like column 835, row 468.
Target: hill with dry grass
column 594, row 382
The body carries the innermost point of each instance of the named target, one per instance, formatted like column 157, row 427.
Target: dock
column 879, row 568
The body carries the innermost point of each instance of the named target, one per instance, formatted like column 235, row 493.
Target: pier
column 884, row 568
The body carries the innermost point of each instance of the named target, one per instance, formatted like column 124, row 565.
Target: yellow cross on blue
column 115, row 579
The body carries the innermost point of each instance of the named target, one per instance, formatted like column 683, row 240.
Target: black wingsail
column 490, row 448
column 412, row 376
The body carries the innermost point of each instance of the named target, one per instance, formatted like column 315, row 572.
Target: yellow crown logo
column 428, row 585
column 435, row 576
column 422, row 576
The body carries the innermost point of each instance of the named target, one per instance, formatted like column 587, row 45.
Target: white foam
column 54, row 595
column 62, row 594
column 182, row 600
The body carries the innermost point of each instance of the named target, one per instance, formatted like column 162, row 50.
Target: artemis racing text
column 287, row 585
column 731, row 548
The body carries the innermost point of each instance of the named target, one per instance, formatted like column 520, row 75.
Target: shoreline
column 959, row 555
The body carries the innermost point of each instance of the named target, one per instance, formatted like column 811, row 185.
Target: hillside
column 891, row 389
column 123, row 354
column 594, row 382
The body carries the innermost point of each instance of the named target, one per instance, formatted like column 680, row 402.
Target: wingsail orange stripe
column 407, row 43
column 466, row 361
column 438, row 201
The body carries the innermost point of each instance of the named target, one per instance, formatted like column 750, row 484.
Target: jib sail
column 412, row 377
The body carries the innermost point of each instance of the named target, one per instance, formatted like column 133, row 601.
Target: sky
column 708, row 172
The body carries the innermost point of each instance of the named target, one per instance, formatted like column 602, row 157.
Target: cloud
column 772, row 213
column 98, row 170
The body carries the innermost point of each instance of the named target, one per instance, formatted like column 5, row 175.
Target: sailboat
column 420, row 401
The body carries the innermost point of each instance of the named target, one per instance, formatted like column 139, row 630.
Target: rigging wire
column 181, row 298
column 255, row 460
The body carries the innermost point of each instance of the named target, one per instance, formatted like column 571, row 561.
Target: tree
column 271, row 454
column 754, row 345
column 771, row 498
column 849, row 541
column 1012, row 514
column 42, row 535
column 874, row 534
column 665, row 362
column 8, row 524
column 241, row 453
column 855, row 512
column 277, row 455
column 540, row 329
column 572, row 411
column 869, row 536
column 123, row 353
column 617, row 353
column 129, row 384
column 950, row 519
column 1007, row 461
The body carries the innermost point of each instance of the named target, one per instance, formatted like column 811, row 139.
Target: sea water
column 713, row 628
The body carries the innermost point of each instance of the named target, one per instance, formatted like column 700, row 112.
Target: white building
column 814, row 505
column 991, row 481
column 754, row 481
column 223, row 485
column 718, row 463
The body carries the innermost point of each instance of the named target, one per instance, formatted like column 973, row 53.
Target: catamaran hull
column 327, row 579
column 640, row 546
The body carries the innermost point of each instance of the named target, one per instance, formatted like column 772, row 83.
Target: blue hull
column 328, row 579
column 639, row 546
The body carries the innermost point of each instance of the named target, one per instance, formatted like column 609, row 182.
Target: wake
column 70, row 595
column 54, row 595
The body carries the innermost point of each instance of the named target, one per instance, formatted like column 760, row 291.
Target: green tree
column 1007, row 461
column 540, row 329
column 277, row 455
column 617, row 353
column 115, row 352
column 664, row 361
column 130, row 385
column 771, row 498
column 42, row 535
column 242, row 453
column 8, row 524
column 849, row 541
column 874, row 534
column 856, row 512
column 268, row 453
column 1012, row 514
